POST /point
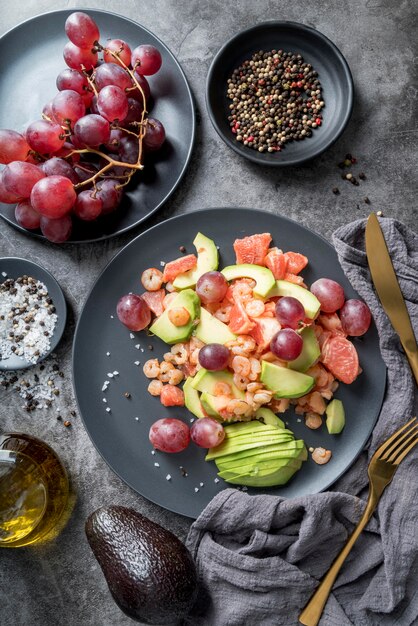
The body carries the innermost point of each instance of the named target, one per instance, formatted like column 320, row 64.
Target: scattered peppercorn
column 73, row 413
column 182, row 249
column 362, row 176
column 367, row 200
column 67, row 423
column 336, row 191
column 276, row 97
column 59, row 418
column 127, row 395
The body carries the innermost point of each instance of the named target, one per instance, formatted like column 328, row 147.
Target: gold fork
column 382, row 468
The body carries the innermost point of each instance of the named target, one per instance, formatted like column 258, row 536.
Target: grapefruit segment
column 264, row 330
column 239, row 322
column 178, row 266
column 154, row 299
column 252, row 249
column 340, row 357
column 296, row 262
column 276, row 261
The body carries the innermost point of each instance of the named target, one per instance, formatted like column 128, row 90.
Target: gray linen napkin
column 260, row 557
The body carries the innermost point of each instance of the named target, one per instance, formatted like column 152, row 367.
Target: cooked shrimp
column 168, row 299
column 223, row 314
column 321, row 456
column 222, row 389
column 169, row 357
column 170, row 288
column 165, row 369
column 179, row 316
column 255, row 308
column 255, row 369
column 263, row 397
column 175, row 377
column 151, row 368
column 195, row 343
column 240, row 381
column 154, row 388
column 243, row 345
column 152, row 279
column 179, row 353
column 313, row 420
column 279, row 405
column 241, row 365
column 194, row 356
column 237, row 407
column 253, row 387
column 242, row 289
column 269, row 309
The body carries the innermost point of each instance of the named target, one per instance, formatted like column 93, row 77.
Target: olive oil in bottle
column 34, row 491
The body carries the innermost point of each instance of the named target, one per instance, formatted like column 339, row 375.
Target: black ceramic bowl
column 333, row 73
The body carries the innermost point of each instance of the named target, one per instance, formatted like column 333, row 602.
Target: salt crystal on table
column 4, row 274
column 157, row 464
column 168, row 477
column 201, row 484
column 196, row 489
column 137, row 362
column 108, row 409
column 131, row 335
column 107, row 353
column 162, row 263
column 137, row 346
column 110, row 374
column 137, row 419
column 216, row 480
column 104, row 400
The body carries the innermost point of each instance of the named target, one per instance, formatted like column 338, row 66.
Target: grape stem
column 89, row 80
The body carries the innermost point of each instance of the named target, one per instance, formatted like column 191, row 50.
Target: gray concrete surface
column 61, row 584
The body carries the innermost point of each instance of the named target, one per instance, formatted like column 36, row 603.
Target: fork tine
column 398, row 443
column 401, row 454
column 389, row 441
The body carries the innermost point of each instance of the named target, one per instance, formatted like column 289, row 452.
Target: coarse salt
column 137, row 346
column 104, row 400
column 216, row 480
column 107, row 353
column 108, row 409
column 137, row 362
column 110, row 374
column 156, row 464
column 131, row 335
column 196, row 489
column 168, row 477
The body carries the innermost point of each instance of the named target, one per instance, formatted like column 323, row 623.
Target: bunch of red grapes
column 76, row 161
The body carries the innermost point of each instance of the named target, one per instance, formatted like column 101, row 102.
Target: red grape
column 26, row 216
column 53, row 196
column 68, row 107
column 79, row 58
column 82, row 30
column 92, row 130
column 93, row 106
column 58, row 230
column 45, row 137
column 19, row 178
column 286, row 344
column 212, row 287
column 13, row 146
column 329, row 293
column 88, row 207
column 169, row 435
column 71, row 79
column 289, row 311
column 113, row 144
column 146, row 60
column 154, row 134
column 85, row 170
column 65, row 151
column 48, row 112
column 87, row 98
column 6, row 196
column 112, row 103
column 206, row 432
column 119, row 46
column 110, row 74
column 136, row 93
column 214, row 357
column 110, row 195
column 355, row 317
column 60, row 167
column 129, row 149
column 133, row 312
column 135, row 109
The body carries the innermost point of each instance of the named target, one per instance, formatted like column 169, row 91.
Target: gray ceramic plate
column 12, row 267
column 123, row 440
column 22, row 102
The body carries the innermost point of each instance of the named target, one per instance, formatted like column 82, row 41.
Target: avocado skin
column 150, row 573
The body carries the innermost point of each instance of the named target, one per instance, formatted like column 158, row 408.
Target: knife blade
column 389, row 291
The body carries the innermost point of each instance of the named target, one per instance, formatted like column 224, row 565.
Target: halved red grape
column 146, row 60
column 79, row 58
column 214, row 357
column 58, row 230
column 111, row 74
column 72, row 79
column 169, row 435
column 133, row 312
column 82, row 30
column 121, row 48
column 212, row 287
column 112, row 103
column 355, row 317
column 19, row 178
column 68, row 107
column 286, row 344
column 26, row 216
column 92, row 130
column 88, row 207
column 154, row 134
column 329, row 293
column 206, row 432
column 13, row 146
column 45, row 137
column 60, row 167
column 289, row 311
column 53, row 196
column 110, row 193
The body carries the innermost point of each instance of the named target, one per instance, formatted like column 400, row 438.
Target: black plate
column 327, row 60
column 123, row 441
column 14, row 267
column 33, row 52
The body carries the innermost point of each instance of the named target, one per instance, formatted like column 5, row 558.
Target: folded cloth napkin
column 260, row 558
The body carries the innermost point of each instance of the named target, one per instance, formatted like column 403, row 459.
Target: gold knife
column 388, row 290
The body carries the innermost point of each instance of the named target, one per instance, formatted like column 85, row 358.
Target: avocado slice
column 191, row 399
column 212, row 330
column 262, row 275
column 310, row 351
column 273, row 477
column 206, row 381
column 310, row 302
column 166, row 330
column 335, row 417
column 282, row 450
column 285, row 383
column 207, row 260
column 269, row 418
column 280, row 446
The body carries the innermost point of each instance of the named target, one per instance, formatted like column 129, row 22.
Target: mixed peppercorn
column 275, row 98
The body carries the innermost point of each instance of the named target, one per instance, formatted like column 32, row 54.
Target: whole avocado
column 150, row 573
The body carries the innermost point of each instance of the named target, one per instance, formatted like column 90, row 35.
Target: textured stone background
column 61, row 584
